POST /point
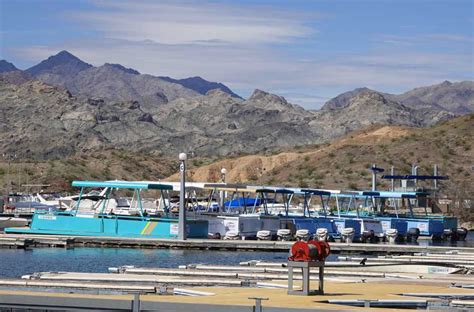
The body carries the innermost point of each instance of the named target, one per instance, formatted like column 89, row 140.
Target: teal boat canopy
column 123, row 185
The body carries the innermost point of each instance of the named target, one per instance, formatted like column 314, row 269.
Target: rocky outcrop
column 16, row 77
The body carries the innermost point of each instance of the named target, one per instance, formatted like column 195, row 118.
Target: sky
column 307, row 51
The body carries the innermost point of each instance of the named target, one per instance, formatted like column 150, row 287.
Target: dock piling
column 258, row 304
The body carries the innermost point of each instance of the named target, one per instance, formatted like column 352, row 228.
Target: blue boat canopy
column 242, row 202
column 123, row 185
column 370, row 193
column 316, row 192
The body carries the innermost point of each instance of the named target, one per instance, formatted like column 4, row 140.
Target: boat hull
column 6, row 222
column 394, row 223
column 310, row 224
column 112, row 226
column 427, row 227
column 342, row 223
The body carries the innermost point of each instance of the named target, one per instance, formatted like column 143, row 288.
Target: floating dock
column 30, row 241
column 198, row 287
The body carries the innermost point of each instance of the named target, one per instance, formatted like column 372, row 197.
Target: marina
column 236, row 156
column 138, row 254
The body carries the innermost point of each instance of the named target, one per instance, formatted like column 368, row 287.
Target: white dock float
column 132, row 278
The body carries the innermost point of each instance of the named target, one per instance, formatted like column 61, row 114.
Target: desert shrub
column 352, row 186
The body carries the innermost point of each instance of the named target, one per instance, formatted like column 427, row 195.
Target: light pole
column 221, row 195
column 182, row 192
column 375, row 170
column 223, row 173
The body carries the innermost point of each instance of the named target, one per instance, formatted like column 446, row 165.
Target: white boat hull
column 6, row 222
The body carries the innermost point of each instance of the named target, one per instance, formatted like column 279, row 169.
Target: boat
column 365, row 227
column 429, row 224
column 6, row 222
column 242, row 217
column 99, row 223
column 25, row 203
column 302, row 220
column 404, row 224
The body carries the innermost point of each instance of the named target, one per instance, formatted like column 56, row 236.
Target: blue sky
column 307, row 51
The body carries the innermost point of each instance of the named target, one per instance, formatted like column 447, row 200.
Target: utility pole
column 182, row 192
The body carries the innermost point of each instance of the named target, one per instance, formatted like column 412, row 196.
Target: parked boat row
column 244, row 212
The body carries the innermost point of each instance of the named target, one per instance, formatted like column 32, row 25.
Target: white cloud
column 418, row 39
column 171, row 22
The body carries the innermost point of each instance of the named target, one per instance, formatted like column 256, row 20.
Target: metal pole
column 182, row 191
column 392, row 173
column 414, row 171
column 19, row 176
column 222, row 194
column 374, row 178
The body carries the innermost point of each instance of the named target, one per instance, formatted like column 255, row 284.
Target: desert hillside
column 344, row 162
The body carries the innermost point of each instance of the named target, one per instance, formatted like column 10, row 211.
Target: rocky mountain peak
column 65, row 56
column 63, row 63
column 266, row 100
column 373, row 99
column 446, row 83
column 6, row 66
column 260, row 95
column 374, row 95
column 201, row 85
column 122, row 68
column 343, row 99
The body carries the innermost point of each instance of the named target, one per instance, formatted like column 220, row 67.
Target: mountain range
column 63, row 106
column 457, row 97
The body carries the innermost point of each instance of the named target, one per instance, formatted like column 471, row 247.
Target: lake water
column 18, row 262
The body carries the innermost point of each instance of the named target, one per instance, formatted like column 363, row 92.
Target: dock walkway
column 31, row 241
